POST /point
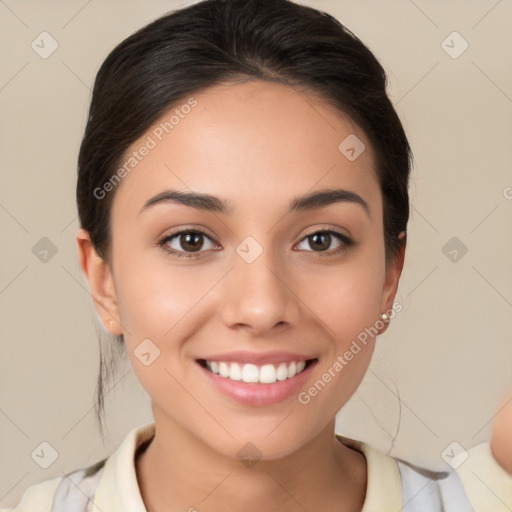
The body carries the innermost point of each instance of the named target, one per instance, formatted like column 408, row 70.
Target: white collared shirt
column 480, row 484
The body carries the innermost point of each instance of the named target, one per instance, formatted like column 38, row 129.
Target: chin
column 257, row 444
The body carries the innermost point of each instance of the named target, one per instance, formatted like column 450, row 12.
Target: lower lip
column 258, row 394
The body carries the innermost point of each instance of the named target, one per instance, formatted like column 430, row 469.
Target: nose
column 259, row 296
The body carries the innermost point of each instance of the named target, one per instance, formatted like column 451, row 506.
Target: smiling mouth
column 257, row 374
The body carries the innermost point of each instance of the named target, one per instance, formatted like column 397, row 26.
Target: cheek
column 156, row 305
column 354, row 305
column 153, row 295
column 350, row 309
column 347, row 297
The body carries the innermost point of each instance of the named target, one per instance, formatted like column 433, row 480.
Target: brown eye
column 191, row 241
column 185, row 243
column 321, row 241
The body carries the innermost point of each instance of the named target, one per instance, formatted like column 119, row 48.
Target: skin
column 501, row 434
column 258, row 145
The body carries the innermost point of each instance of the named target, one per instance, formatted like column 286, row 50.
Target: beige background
column 447, row 355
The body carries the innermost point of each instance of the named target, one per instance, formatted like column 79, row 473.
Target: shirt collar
column 118, row 488
column 383, row 483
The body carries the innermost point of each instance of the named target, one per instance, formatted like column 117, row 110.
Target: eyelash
column 346, row 243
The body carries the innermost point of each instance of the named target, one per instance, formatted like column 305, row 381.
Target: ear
column 101, row 284
column 393, row 273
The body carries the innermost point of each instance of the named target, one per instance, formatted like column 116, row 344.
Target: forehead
column 255, row 142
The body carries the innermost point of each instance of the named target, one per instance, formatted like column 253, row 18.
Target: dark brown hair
column 193, row 48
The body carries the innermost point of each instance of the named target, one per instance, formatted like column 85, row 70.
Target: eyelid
column 198, row 228
column 328, row 229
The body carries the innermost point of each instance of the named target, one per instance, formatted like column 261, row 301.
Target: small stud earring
column 384, row 317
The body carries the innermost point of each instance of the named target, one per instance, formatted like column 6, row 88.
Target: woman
column 242, row 193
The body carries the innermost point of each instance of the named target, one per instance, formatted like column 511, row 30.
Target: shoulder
column 487, row 484
column 472, row 482
column 37, row 497
column 110, row 484
column 72, row 492
column 437, row 490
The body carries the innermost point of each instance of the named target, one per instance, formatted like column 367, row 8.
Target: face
column 257, row 283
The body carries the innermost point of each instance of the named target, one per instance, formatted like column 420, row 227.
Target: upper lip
column 243, row 357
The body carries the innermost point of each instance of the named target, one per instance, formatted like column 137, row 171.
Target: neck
column 178, row 471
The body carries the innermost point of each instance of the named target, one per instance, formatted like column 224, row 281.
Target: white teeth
column 266, row 374
column 250, row 373
column 282, row 372
column 292, row 370
column 235, row 372
column 223, row 370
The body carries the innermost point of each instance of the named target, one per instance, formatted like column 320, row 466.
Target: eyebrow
column 312, row 201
